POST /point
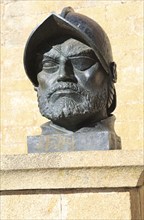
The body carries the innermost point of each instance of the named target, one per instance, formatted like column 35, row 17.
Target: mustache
column 64, row 85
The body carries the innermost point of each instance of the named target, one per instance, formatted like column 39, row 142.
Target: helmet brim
column 54, row 26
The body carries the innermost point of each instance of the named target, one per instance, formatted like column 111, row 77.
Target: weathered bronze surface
column 68, row 58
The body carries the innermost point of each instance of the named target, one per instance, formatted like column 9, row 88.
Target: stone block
column 9, row 148
column 125, row 97
column 11, row 63
column 125, row 9
column 67, row 206
column 18, row 108
column 86, row 169
column 75, row 185
column 32, row 207
column 108, row 205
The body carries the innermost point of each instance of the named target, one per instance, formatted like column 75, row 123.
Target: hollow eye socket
column 82, row 63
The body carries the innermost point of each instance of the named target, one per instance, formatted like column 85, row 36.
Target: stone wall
column 122, row 20
column 73, row 186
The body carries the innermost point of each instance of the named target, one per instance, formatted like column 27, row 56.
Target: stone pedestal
column 73, row 185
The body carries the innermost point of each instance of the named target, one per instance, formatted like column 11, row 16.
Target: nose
column 66, row 73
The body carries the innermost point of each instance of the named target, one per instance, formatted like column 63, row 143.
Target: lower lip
column 68, row 93
column 65, row 91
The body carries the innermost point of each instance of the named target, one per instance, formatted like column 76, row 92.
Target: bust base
column 100, row 136
column 104, row 140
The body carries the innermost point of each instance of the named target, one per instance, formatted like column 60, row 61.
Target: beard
column 79, row 105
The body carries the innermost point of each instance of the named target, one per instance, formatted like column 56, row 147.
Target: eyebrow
column 50, row 54
column 87, row 52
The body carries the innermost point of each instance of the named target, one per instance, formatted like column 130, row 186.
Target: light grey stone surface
column 69, row 206
column 89, row 169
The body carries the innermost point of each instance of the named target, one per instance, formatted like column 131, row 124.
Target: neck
column 77, row 122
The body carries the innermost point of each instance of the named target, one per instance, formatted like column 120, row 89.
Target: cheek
column 94, row 77
column 96, row 81
column 45, row 80
column 42, row 80
column 99, row 79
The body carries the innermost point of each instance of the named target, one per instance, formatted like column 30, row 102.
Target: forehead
column 70, row 47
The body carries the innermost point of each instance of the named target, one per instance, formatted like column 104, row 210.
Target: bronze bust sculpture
column 69, row 60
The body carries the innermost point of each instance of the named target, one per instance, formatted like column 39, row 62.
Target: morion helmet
column 77, row 26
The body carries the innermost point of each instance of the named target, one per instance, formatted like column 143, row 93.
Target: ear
column 113, row 71
column 35, row 88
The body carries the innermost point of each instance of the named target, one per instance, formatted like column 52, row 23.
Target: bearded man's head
column 72, row 69
column 73, row 87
